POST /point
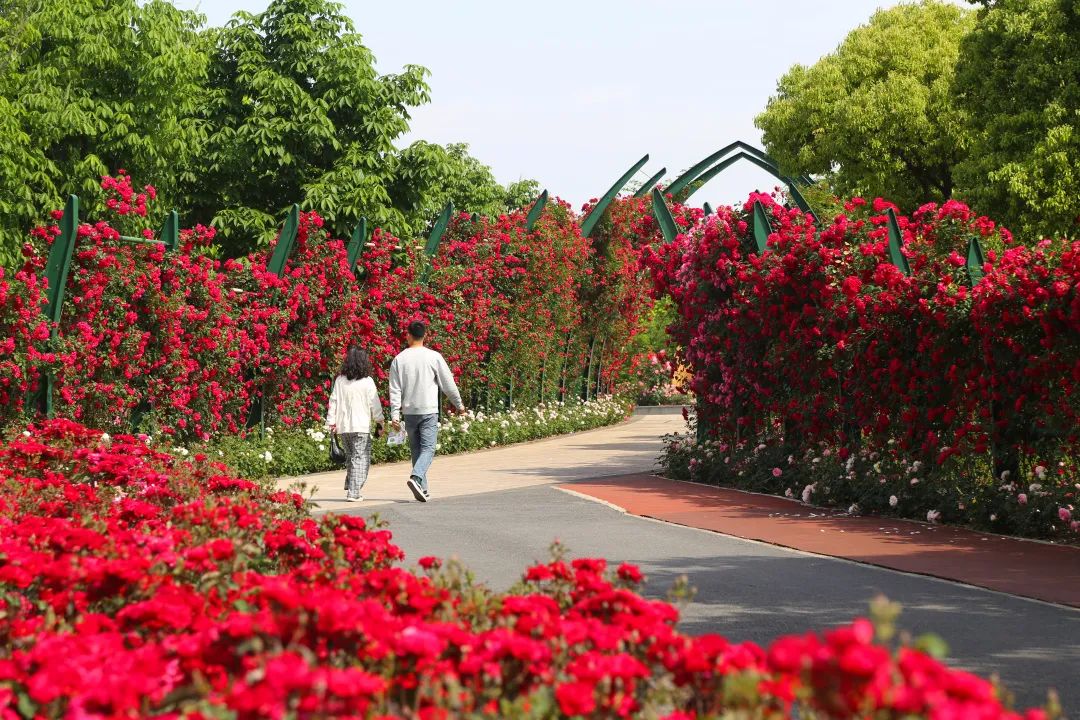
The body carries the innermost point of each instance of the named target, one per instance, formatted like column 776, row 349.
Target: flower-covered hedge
column 294, row 451
column 134, row 584
column 185, row 344
column 847, row 373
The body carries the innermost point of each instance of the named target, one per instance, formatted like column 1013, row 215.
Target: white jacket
column 353, row 404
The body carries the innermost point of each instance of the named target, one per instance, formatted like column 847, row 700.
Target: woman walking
column 354, row 403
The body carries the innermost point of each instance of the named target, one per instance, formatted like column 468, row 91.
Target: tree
column 877, row 116
column 1018, row 81
column 89, row 86
column 427, row 176
column 298, row 114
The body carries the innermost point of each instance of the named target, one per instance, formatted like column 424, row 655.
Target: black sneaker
column 417, row 491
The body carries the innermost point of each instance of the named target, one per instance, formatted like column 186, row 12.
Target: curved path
column 499, row 511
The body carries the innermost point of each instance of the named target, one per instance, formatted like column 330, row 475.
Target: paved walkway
column 631, row 447
column 499, row 510
column 614, row 465
column 747, row 590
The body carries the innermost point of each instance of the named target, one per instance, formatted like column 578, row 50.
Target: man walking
column 416, row 376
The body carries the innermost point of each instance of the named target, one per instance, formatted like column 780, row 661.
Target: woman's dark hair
column 357, row 364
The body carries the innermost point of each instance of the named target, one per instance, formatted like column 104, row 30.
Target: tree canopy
column 297, row 113
column 877, row 116
column 1018, row 80
column 231, row 125
column 88, row 87
column 428, row 176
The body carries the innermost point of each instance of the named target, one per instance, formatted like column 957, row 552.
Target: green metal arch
column 691, row 174
column 648, row 185
column 796, row 196
column 597, row 212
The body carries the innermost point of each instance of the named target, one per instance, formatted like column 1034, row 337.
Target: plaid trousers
column 357, row 462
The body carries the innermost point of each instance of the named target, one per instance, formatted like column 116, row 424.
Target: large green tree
column 1019, row 82
column 427, row 176
column 298, row 114
column 89, row 86
column 232, row 125
column 877, row 116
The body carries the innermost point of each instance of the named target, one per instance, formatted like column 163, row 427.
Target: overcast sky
column 573, row 93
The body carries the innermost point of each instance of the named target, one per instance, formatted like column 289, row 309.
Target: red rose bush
column 135, row 584
column 825, row 372
column 183, row 344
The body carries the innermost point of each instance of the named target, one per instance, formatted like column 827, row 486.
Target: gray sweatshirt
column 416, row 376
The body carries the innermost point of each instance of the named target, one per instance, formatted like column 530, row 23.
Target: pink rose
column 1022, row 498
column 1064, row 514
column 777, row 472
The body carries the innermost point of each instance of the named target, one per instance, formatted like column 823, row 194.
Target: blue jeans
column 423, row 431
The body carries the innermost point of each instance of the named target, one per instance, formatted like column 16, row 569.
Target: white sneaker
column 355, row 499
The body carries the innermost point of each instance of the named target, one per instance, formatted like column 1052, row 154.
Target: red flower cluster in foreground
column 133, row 584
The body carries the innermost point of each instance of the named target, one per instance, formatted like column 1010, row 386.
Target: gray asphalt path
column 747, row 590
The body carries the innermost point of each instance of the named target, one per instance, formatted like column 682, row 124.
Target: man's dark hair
column 417, row 330
column 357, row 364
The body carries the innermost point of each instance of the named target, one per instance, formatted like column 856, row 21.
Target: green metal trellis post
column 649, row 185
column 696, row 174
column 745, row 149
column 286, row 240
column 282, row 250
column 600, row 369
column 170, row 231
column 762, row 227
column 896, row 243
column 543, row 377
column 590, row 221
column 588, row 371
column 792, row 185
column 975, row 261
column 56, row 272
column 357, row 242
column 431, row 247
column 536, row 211
column 663, row 216
column 435, row 236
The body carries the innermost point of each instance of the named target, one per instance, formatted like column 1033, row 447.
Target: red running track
column 1038, row 570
